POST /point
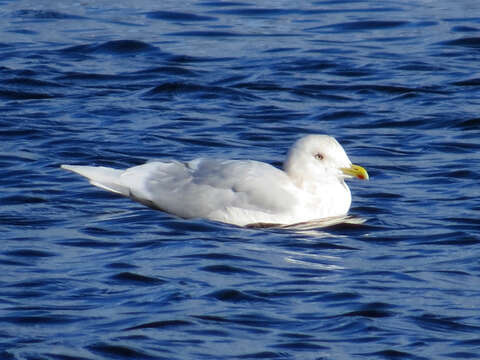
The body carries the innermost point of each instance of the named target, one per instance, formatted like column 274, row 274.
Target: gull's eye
column 318, row 156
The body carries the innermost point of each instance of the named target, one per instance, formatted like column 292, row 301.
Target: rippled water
column 88, row 275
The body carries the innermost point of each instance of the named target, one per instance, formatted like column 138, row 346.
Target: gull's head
column 320, row 158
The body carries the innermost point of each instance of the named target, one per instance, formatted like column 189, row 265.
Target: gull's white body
column 240, row 192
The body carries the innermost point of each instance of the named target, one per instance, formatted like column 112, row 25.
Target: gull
column 310, row 187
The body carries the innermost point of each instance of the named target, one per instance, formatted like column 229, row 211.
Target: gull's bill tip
column 356, row 171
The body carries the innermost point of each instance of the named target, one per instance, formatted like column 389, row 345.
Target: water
column 88, row 275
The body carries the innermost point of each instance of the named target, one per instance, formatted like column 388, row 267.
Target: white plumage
column 241, row 192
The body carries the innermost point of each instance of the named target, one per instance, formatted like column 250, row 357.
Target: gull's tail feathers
column 102, row 177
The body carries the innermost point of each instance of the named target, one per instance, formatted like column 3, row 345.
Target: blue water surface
column 88, row 275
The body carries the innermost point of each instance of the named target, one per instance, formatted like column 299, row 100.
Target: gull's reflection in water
column 309, row 247
column 316, row 227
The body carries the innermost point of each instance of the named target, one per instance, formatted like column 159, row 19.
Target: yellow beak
column 356, row 171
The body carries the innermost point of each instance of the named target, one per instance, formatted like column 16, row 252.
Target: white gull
column 241, row 192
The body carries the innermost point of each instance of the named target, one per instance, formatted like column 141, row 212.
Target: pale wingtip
column 69, row 167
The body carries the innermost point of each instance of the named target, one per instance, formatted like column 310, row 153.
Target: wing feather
column 204, row 186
